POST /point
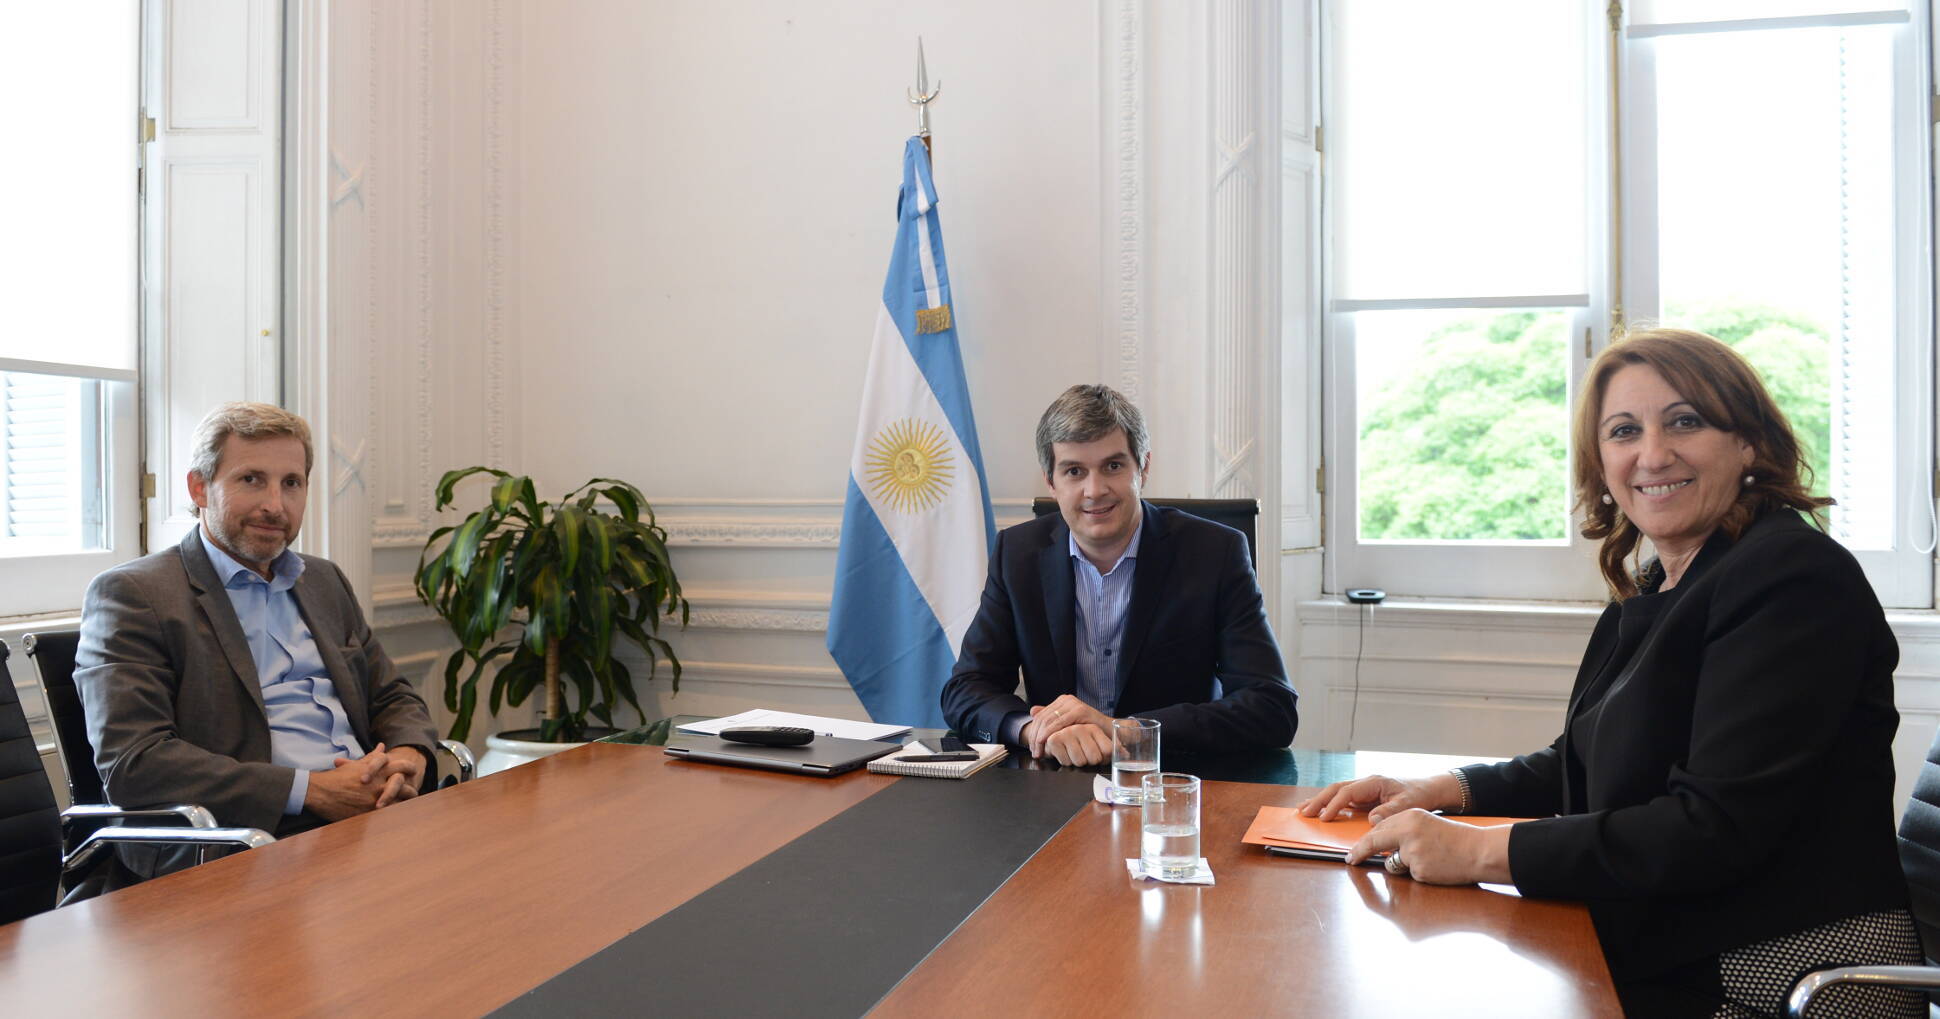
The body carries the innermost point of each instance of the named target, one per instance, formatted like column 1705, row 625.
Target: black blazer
column 1195, row 617
column 1725, row 771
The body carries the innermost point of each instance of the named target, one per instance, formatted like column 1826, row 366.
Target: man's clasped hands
column 371, row 782
column 1070, row 731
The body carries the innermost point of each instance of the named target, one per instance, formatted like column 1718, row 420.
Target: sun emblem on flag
column 910, row 465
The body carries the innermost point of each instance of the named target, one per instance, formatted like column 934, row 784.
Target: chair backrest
column 1241, row 515
column 1920, row 849
column 30, row 824
column 53, row 655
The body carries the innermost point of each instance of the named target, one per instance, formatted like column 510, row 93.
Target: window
column 68, row 293
column 1499, row 196
column 50, row 464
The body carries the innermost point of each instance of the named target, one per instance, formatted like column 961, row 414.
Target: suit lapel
column 326, row 629
column 1155, row 555
column 1060, row 603
column 214, row 599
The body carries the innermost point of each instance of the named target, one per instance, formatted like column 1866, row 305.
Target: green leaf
column 597, row 604
column 464, row 544
column 505, row 491
column 633, row 631
column 637, row 572
column 574, row 668
column 451, row 679
column 599, row 530
column 623, row 682
column 461, row 725
column 452, row 478
column 566, row 524
column 524, row 681
column 625, row 498
column 673, row 662
column 657, row 732
column 431, row 577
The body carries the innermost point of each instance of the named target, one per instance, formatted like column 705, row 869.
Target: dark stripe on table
column 828, row 924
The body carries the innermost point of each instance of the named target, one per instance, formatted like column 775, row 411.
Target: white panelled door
column 211, row 229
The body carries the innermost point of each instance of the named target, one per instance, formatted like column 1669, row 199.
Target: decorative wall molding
column 731, row 617
column 495, row 396
column 726, row 532
column 1126, row 223
column 418, row 663
column 371, row 208
column 775, row 523
column 745, row 673
column 1236, row 291
column 410, row 489
column 397, row 605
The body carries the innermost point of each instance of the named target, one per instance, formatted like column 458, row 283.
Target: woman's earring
column 1748, row 480
column 1607, row 500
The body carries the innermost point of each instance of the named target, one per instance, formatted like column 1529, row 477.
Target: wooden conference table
column 683, row 888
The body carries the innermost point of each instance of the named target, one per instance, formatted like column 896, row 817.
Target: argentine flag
column 917, row 530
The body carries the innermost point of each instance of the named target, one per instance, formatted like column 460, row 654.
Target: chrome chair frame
column 1919, row 977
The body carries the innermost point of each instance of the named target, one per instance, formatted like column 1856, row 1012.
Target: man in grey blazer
column 231, row 672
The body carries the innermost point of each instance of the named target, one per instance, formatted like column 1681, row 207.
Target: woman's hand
column 1438, row 851
column 1382, row 797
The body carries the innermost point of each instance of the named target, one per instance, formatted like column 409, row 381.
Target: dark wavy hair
column 1727, row 393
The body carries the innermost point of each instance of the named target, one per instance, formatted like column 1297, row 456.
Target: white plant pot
column 502, row 752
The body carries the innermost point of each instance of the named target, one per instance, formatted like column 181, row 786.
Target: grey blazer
column 174, row 706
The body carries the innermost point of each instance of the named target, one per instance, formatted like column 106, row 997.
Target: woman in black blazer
column 1721, row 794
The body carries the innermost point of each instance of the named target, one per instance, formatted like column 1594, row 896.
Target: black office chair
column 1241, row 515
column 34, row 859
column 53, row 655
column 1920, row 859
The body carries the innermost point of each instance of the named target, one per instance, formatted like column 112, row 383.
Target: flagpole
column 922, row 95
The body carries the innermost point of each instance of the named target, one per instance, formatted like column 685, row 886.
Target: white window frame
column 1560, row 570
column 40, row 585
column 1902, row 576
column 1566, row 569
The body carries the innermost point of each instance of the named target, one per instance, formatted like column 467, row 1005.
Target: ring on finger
column 1395, row 864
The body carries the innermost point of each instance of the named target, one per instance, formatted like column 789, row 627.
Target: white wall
column 648, row 240
column 709, row 198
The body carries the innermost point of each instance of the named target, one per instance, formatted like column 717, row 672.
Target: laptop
column 825, row 755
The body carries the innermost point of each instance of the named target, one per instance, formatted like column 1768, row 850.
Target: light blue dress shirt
column 307, row 725
column 1103, row 599
column 1102, row 602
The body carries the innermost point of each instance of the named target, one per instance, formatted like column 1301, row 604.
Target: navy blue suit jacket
column 1198, row 654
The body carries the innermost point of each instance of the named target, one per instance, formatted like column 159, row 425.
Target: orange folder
column 1285, row 826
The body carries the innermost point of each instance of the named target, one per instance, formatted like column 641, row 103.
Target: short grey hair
column 1089, row 413
column 250, row 421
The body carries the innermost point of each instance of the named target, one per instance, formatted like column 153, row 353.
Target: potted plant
column 570, row 580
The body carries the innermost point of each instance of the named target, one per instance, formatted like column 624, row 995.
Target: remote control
column 769, row 735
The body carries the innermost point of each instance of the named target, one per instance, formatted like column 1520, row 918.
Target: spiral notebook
column 988, row 754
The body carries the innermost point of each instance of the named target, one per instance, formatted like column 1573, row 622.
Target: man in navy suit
column 1114, row 608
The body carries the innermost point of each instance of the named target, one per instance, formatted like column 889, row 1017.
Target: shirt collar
column 287, row 567
column 1131, row 547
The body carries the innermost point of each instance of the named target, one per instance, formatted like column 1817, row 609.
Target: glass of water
column 1170, row 848
column 1134, row 755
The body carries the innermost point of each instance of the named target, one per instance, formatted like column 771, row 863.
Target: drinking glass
column 1134, row 754
column 1170, row 814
